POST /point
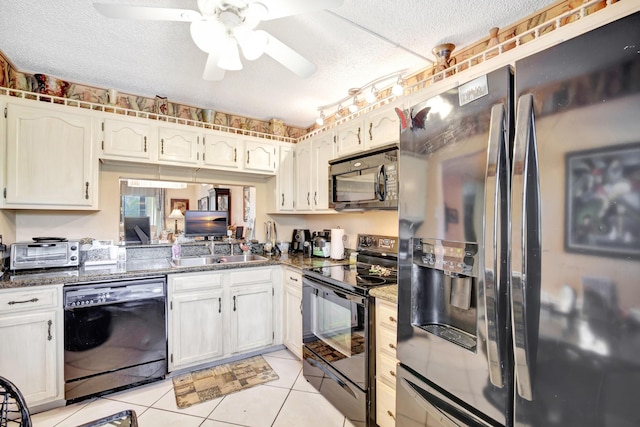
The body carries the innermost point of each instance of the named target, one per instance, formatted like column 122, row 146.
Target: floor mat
column 206, row 384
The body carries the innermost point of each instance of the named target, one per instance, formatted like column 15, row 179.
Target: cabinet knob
column 392, row 319
column 391, row 415
column 392, row 373
column 392, row 346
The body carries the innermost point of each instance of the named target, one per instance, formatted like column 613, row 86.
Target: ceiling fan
column 221, row 26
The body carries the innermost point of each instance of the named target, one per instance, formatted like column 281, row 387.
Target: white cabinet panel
column 382, row 126
column 221, row 150
column 126, row 139
column 286, row 179
column 51, row 161
column 292, row 313
column 322, row 151
column 31, row 350
column 178, row 146
column 303, row 177
column 260, row 156
column 349, row 138
column 251, row 317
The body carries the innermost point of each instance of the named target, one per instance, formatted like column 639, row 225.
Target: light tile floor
column 288, row 401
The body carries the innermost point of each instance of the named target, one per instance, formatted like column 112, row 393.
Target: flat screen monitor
column 206, row 223
column 137, row 229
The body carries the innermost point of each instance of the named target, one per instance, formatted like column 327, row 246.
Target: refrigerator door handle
column 525, row 246
column 496, row 190
column 431, row 409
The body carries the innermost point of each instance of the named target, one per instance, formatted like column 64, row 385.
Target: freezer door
column 575, row 260
column 419, row 404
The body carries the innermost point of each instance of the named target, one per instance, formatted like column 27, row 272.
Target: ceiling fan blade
column 211, row 70
column 111, row 10
column 288, row 57
column 282, row 8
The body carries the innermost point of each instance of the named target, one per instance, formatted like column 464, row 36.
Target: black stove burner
column 370, row 280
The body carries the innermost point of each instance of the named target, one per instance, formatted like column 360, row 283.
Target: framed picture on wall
column 182, row 204
column 603, row 201
column 203, row 204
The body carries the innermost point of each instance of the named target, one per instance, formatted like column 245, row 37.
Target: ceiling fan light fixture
column 207, row 34
column 253, row 43
column 254, row 13
column 229, row 55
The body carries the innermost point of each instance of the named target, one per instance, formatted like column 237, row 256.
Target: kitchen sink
column 216, row 259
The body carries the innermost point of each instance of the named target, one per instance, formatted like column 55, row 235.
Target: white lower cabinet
column 292, row 311
column 196, row 328
column 215, row 315
column 386, row 362
column 31, row 354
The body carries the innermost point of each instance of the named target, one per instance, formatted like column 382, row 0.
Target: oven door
column 335, row 328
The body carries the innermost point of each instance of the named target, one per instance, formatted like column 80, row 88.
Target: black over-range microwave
column 365, row 180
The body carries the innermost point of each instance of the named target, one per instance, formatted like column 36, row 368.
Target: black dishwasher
column 114, row 335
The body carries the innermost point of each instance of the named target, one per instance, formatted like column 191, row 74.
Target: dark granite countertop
column 137, row 268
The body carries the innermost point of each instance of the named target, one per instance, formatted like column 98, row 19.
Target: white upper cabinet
column 285, row 178
column 322, row 151
column 126, row 139
column 304, row 202
column 222, row 150
column 349, row 138
column 382, row 126
column 178, row 145
column 260, row 156
column 50, row 158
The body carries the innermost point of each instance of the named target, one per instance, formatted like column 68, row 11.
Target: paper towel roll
column 337, row 243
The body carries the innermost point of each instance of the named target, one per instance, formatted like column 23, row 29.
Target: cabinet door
column 126, row 139
column 382, row 127
column 286, row 179
column 349, row 139
column 251, row 317
column 51, row 161
column 292, row 313
column 322, row 149
column 260, row 156
column 178, row 146
column 196, row 331
column 304, row 201
column 29, row 355
column 221, row 151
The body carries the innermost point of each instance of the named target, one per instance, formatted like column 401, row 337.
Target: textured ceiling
column 352, row 45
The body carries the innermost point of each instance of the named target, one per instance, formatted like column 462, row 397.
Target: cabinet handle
column 282, row 199
column 22, row 302
column 162, row 146
column 234, row 303
column 392, row 346
column 49, row 336
column 220, row 305
column 145, row 144
column 359, row 142
column 391, row 415
column 392, row 319
column 293, row 279
column 86, row 190
column 308, row 198
column 315, row 198
column 235, row 155
column 248, row 156
column 371, row 131
column 393, row 374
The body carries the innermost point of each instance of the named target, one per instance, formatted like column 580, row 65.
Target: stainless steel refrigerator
column 519, row 262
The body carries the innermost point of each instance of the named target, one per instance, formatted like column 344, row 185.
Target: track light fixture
column 370, row 92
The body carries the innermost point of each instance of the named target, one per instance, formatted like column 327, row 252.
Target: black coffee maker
column 300, row 235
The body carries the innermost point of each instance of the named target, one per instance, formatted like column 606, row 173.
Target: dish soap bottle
column 175, row 249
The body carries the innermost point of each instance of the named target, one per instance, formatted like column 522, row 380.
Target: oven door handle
column 319, row 287
column 431, row 409
column 332, row 376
